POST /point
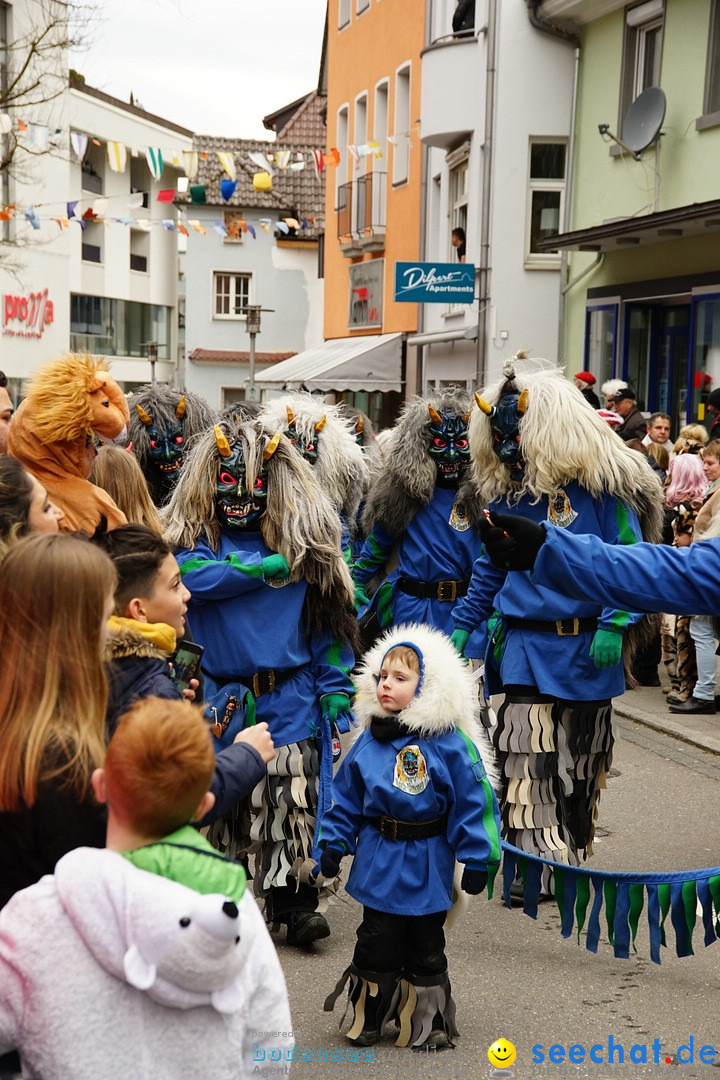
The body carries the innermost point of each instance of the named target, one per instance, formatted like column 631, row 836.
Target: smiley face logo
column 501, row 1054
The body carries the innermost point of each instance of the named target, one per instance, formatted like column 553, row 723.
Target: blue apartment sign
column 434, row 283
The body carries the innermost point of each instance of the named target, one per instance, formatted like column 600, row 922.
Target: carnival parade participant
column 410, row 799
column 70, row 401
column 326, row 439
column 259, row 548
column 421, row 516
column 163, row 419
column 540, row 450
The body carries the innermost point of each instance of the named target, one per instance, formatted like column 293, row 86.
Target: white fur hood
column 446, row 698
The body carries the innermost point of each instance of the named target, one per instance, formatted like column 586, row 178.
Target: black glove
column 473, row 881
column 512, row 542
column 330, row 862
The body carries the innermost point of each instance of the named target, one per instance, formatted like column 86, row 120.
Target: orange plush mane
column 74, row 395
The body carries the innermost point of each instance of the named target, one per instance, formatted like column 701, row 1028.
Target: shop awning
column 370, row 363
column 697, row 219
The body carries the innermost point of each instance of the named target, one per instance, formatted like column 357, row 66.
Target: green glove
column 334, row 704
column 459, row 639
column 274, row 566
column 361, row 597
column 606, row 648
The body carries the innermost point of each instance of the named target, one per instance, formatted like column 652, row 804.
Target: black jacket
column 464, row 17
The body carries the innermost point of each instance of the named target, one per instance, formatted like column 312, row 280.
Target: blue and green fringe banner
column 581, row 896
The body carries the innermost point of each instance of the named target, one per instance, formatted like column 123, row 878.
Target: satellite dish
column 643, row 120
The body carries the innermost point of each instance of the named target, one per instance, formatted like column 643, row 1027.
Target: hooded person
column 541, row 451
column 421, row 517
column 326, row 439
column 70, row 402
column 366, row 438
column 258, row 545
column 163, row 419
column 411, row 798
column 108, row 970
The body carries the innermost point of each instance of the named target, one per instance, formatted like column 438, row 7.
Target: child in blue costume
column 411, row 797
column 259, row 548
column 540, row 450
column 421, row 517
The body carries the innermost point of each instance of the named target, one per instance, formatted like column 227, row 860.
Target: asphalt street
column 518, row 979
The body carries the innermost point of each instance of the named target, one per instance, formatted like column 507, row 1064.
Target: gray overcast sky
column 214, row 66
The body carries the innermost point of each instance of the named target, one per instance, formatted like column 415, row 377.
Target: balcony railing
column 361, row 209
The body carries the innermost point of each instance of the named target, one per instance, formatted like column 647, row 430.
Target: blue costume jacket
column 651, row 577
column 438, row 545
column 411, row 877
column 248, row 624
column 560, row 666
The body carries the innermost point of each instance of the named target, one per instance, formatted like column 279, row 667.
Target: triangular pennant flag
column 182, row 184
column 296, row 166
column 197, row 227
column 61, row 222
column 70, row 208
column 190, row 163
column 332, row 157
column 135, row 201
column 282, row 158
column 167, row 195
column 252, row 232
column 169, row 224
column 117, row 156
column 261, row 160
column 227, row 189
column 354, row 152
column 374, row 148
column 262, row 181
column 282, row 227
column 182, row 230
column 318, row 161
column 197, row 193
column 292, row 222
column 175, row 158
column 154, row 158
column 265, row 226
column 227, row 161
column 22, row 126
column 32, row 217
column 99, row 206
column 79, row 143
column 220, row 228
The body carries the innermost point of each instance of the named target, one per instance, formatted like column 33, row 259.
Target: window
column 232, row 295
column 99, row 324
column 401, row 134
column 361, row 5
column 92, row 243
column 458, row 173
column 343, row 189
column 712, row 72
column 343, row 13
column 546, row 199
column 139, row 250
column 642, row 51
column 601, row 342
column 379, row 188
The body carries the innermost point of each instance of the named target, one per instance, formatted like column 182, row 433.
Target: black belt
column 561, row 627
column 264, row 682
column 433, row 590
column 392, row 829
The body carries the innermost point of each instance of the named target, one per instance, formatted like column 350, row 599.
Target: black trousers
column 413, row 943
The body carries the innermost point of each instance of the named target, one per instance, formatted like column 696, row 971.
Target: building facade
column 642, row 292
column 497, row 163
column 88, row 254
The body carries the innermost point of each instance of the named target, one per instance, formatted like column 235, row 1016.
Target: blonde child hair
column 54, row 590
column 405, row 655
column 159, row 764
column 118, row 473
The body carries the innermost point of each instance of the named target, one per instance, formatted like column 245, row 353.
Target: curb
column 667, row 725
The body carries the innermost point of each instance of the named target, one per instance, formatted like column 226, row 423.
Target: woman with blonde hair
column 56, row 594
column 118, row 472
column 24, row 504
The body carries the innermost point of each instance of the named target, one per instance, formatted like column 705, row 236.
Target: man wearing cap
column 634, row 425
column 585, row 382
column 713, row 409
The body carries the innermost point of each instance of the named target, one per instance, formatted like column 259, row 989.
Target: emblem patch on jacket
column 410, row 774
column 560, row 512
column 458, row 517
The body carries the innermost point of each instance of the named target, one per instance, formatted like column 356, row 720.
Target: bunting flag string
column 117, row 156
column 154, row 158
column 681, row 895
column 79, row 143
column 227, row 160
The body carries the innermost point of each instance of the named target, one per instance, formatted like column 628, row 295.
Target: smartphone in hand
column 185, row 664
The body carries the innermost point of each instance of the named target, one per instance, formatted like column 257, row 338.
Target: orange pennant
column 332, row 157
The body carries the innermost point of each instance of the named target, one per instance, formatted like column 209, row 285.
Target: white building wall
column 533, row 98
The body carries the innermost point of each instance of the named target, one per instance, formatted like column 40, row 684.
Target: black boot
column 372, row 995
column 426, row 1012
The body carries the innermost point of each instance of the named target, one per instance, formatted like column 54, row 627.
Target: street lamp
column 252, row 313
column 152, row 355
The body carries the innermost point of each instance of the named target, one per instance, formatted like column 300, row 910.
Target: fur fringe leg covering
column 372, row 995
column 588, row 733
column 424, row 1004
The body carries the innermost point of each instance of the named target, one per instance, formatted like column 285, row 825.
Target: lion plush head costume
column 69, row 402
